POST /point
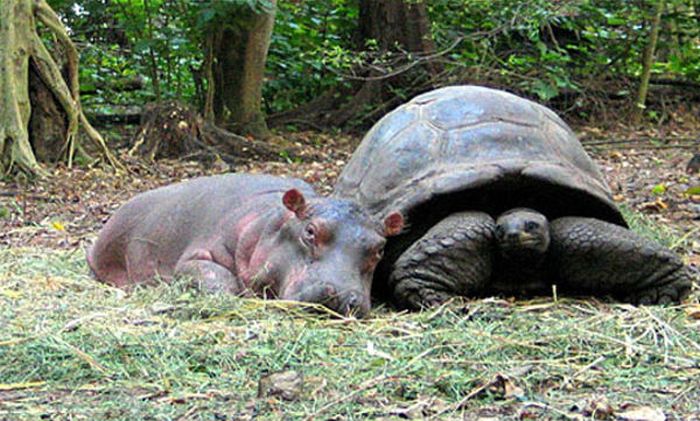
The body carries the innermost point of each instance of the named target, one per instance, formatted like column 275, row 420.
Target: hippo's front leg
column 208, row 275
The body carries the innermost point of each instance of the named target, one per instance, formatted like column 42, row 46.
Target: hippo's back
column 158, row 225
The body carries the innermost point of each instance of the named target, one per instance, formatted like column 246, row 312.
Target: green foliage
column 128, row 39
column 512, row 39
column 230, row 14
column 150, row 39
column 539, row 48
column 544, row 49
column 309, row 42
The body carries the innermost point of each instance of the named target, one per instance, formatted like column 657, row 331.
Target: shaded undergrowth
column 73, row 348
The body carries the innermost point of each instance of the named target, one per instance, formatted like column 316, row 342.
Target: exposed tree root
column 20, row 43
column 173, row 130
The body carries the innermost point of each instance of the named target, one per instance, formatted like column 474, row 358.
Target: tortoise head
column 522, row 233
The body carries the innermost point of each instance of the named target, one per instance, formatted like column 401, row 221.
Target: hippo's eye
column 531, row 225
column 310, row 234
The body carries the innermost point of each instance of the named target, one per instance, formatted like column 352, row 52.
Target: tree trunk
column 171, row 129
column 239, row 69
column 647, row 63
column 400, row 27
column 152, row 62
column 16, row 24
column 48, row 124
column 396, row 23
column 20, row 44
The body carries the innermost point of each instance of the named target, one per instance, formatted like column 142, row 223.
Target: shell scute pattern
column 461, row 138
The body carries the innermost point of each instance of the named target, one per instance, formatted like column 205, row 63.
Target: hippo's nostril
column 353, row 301
column 353, row 305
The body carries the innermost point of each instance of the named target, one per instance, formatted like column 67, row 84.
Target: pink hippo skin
column 247, row 235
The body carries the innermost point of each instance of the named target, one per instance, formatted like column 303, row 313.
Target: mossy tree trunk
column 647, row 63
column 20, row 45
column 238, row 57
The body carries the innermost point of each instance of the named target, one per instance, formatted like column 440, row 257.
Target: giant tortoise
column 500, row 198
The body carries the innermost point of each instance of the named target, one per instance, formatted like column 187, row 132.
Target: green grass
column 663, row 234
column 72, row 348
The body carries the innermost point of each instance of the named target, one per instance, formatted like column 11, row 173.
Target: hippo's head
column 331, row 248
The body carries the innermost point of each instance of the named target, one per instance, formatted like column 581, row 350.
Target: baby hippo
column 247, row 235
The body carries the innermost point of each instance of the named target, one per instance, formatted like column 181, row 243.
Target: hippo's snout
column 354, row 304
column 347, row 302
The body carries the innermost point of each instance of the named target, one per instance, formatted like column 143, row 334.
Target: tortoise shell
column 474, row 148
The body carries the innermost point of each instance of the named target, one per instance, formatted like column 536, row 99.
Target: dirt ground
column 67, row 208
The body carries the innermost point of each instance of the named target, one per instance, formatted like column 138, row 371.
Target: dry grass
column 71, row 348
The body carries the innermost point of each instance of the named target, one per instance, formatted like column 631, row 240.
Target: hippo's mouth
column 348, row 303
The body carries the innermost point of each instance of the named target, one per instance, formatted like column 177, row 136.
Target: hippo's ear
column 393, row 224
column 295, row 202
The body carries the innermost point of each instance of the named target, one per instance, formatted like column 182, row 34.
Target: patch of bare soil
column 649, row 174
column 67, row 209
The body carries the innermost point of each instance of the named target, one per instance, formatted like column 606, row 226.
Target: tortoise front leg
column 591, row 256
column 453, row 258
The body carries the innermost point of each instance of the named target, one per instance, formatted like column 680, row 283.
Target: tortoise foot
column 417, row 297
column 671, row 293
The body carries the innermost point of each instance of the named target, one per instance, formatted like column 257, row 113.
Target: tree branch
column 51, row 75
column 421, row 59
column 49, row 18
column 67, row 93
